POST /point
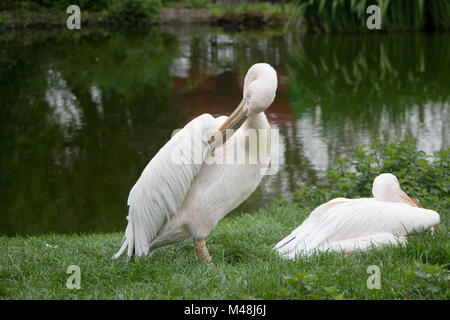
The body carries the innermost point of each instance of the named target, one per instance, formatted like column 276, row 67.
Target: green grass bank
column 244, row 266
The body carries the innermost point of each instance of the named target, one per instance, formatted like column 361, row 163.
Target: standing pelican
column 349, row 224
column 189, row 186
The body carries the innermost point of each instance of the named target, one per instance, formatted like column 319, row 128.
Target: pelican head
column 386, row 188
column 260, row 86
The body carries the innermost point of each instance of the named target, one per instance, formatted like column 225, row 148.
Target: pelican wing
column 317, row 212
column 353, row 222
column 162, row 187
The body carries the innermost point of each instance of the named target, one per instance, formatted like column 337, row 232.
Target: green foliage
column 425, row 177
column 321, row 15
column 426, row 277
column 309, row 284
column 263, row 11
column 350, row 15
column 191, row 4
column 5, row 18
column 122, row 11
column 127, row 11
column 55, row 4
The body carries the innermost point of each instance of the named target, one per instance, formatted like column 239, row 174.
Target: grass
column 244, row 266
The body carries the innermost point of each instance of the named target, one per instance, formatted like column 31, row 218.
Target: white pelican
column 350, row 224
column 175, row 199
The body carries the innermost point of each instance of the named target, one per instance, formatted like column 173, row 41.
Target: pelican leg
column 202, row 251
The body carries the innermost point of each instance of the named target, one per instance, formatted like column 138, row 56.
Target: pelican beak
column 234, row 121
column 407, row 199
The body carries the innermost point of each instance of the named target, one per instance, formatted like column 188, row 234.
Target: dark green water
column 82, row 113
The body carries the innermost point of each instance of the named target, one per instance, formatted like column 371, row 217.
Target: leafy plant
column 350, row 15
column 59, row 4
column 426, row 277
column 132, row 11
column 297, row 285
column 308, row 285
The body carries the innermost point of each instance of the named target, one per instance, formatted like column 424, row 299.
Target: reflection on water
column 62, row 102
column 81, row 114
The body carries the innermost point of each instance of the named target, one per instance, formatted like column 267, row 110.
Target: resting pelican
column 189, row 186
column 349, row 224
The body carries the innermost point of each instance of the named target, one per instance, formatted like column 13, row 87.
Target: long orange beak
column 229, row 127
column 407, row 199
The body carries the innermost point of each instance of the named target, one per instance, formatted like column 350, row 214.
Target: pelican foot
column 202, row 251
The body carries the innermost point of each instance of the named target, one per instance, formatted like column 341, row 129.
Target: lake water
column 82, row 113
